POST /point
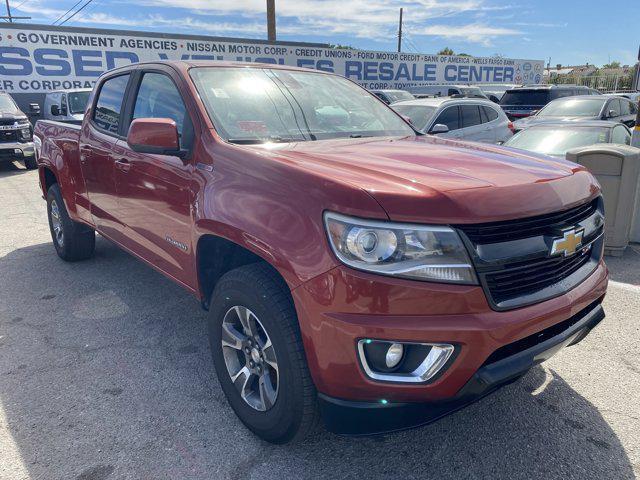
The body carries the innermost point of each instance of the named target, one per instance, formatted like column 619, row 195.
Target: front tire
column 258, row 354
column 73, row 241
column 30, row 163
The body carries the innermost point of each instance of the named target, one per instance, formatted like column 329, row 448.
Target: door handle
column 84, row 151
column 123, row 164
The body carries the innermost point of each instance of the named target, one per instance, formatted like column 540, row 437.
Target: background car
column 556, row 139
column 584, row 107
column 524, row 101
column 470, row 91
column 470, row 119
column 495, row 91
column 66, row 105
column 392, row 96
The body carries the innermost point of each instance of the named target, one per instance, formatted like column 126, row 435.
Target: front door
column 154, row 190
column 97, row 140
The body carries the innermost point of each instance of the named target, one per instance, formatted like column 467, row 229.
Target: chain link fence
column 604, row 83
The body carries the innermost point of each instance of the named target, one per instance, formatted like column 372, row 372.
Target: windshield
column 251, row 105
column 78, row 101
column 557, row 140
column 525, row 97
column 419, row 115
column 398, row 95
column 573, row 107
column 7, row 104
column 472, row 91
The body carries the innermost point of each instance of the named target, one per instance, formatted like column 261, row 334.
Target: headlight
column 419, row 252
column 25, row 133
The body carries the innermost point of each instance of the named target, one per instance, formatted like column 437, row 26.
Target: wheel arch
column 217, row 255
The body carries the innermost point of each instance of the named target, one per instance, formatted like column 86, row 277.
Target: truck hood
column 12, row 116
column 430, row 179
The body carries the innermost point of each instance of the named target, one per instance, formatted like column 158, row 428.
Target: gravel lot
column 105, row 373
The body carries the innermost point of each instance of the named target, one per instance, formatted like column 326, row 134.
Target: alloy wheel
column 56, row 223
column 250, row 358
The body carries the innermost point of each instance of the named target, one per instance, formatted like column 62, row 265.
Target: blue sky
column 568, row 31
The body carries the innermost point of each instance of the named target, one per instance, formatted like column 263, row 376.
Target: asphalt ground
column 105, row 373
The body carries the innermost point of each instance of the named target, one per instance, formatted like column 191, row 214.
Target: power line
column 75, row 13
column 67, row 12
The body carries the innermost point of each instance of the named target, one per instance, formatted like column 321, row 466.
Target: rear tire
column 255, row 295
column 30, row 163
column 72, row 240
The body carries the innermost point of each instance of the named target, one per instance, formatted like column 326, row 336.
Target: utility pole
column 271, row 20
column 399, row 32
column 11, row 17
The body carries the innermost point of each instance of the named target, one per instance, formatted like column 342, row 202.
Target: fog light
column 409, row 362
column 394, row 355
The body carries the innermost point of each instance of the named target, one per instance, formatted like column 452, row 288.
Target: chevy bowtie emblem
column 568, row 244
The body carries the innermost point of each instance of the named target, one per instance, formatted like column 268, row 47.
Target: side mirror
column 34, row 109
column 55, row 110
column 155, row 135
column 439, row 128
column 612, row 114
column 500, row 142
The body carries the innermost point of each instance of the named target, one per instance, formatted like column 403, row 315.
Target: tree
column 614, row 64
column 446, row 51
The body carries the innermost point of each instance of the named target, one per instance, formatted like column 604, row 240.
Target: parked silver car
column 464, row 118
column 583, row 107
column 557, row 138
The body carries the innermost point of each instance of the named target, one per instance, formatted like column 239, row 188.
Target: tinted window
column 633, row 108
column 78, row 101
column 453, row 91
column 470, row 115
column 615, row 106
column 525, row 97
column 109, row 104
column 420, row 115
column 625, row 107
column 621, row 135
column 563, row 92
column 490, row 113
column 449, row 117
column 158, row 97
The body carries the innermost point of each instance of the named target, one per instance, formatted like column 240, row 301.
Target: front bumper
column 503, row 367
column 9, row 150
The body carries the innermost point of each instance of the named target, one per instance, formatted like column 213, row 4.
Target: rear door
column 473, row 127
column 97, row 140
column 154, row 190
column 627, row 112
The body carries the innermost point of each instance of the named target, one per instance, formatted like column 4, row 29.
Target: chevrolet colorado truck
column 16, row 134
column 353, row 270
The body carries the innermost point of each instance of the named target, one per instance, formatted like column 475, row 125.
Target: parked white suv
column 465, row 118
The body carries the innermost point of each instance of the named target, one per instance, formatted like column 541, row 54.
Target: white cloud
column 474, row 32
column 368, row 19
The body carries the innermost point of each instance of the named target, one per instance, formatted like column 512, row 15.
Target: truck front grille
column 513, row 258
column 7, row 136
column 495, row 232
column 524, row 278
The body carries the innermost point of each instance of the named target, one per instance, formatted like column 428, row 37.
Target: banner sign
column 41, row 60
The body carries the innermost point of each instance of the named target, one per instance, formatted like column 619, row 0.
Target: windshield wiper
column 257, row 141
column 359, row 135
